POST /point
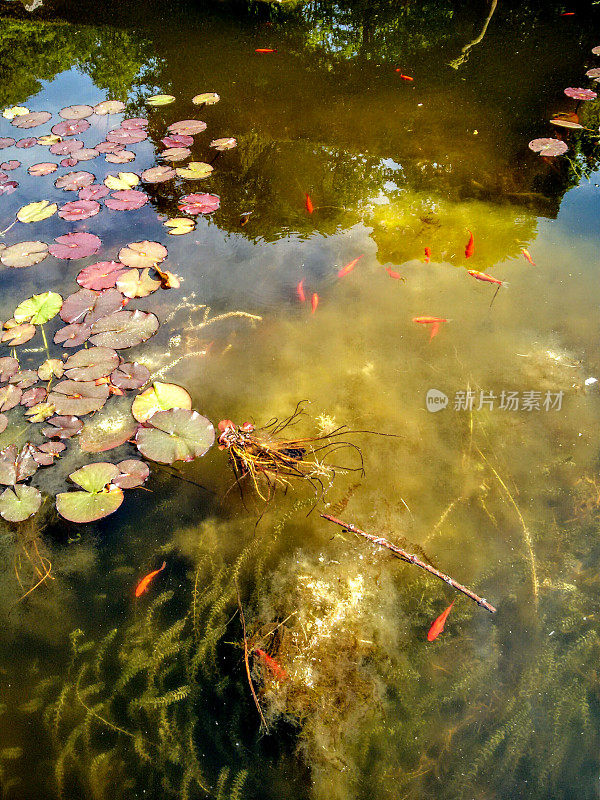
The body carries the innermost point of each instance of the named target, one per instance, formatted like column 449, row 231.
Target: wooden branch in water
column 412, row 559
column 247, row 661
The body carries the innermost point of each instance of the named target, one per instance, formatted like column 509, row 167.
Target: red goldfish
column 395, row 275
column 438, row 625
column 349, row 267
column 404, row 77
column 314, row 302
column 145, row 582
column 427, row 255
column 275, row 668
column 482, row 276
column 435, row 323
column 470, row 248
column 300, row 291
column 265, row 50
column 528, row 257
column 309, row 205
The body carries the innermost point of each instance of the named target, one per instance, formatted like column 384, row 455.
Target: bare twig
column 412, row 559
column 247, row 661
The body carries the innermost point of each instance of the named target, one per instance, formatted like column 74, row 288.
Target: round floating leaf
column 94, row 477
column 67, row 148
column 199, row 203
column 96, row 191
column 10, row 165
column 121, row 157
column 206, row 99
column 566, row 123
column 124, row 180
column 24, row 254
column 8, row 187
column 224, row 144
column 91, row 364
column 128, row 200
column 178, row 226
column 133, row 284
column 40, row 412
column 134, row 123
column 130, row 375
column 15, row 111
column 18, row 334
column 76, row 112
column 8, row 367
column 160, row 397
column 26, row 143
column 187, row 126
column 77, row 305
column 176, row 154
column 195, row 170
column 70, row 128
column 24, row 378
column 38, row 309
column 73, row 335
column 109, row 107
column 86, row 154
column 78, row 397
column 33, row 396
column 126, row 136
column 10, row 396
column 158, row 174
column 102, row 275
column 178, row 140
column 63, row 427
column 593, row 73
column 106, row 430
column 159, row 100
column 77, row 210
column 6, row 141
column 88, row 506
column 31, row 120
column 75, row 245
column 124, row 329
column 134, row 473
column 73, row 181
column 16, row 465
column 48, row 140
column 36, row 212
column 109, row 147
column 142, row 254
column 175, row 435
column 548, row 147
column 44, row 168
column 580, row 94
column 51, row 368
column 20, row 503
column 71, row 161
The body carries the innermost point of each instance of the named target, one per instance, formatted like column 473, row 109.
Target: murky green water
column 108, row 695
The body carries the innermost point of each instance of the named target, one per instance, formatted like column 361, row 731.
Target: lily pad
column 70, row 161
column 109, row 147
column 175, row 435
column 160, row 397
column 20, row 503
column 106, row 430
column 44, row 168
column 86, row 154
column 566, row 123
column 134, row 123
column 130, row 375
column 36, row 212
column 76, row 210
column 187, row 126
column 10, row 396
column 102, row 275
column 124, row 329
column 3, row 422
column 24, row 378
column 8, row 367
column 224, row 144
column 134, row 473
column 40, row 412
column 73, row 335
column 548, row 147
column 178, row 140
column 73, row 181
column 10, row 165
column 48, row 140
column 120, row 157
column 25, row 144
column 158, row 174
column 142, row 254
column 67, row 148
column 18, row 334
column 199, row 203
column 206, row 99
column 128, row 200
column 108, row 302
column 15, row 111
column 179, row 226
column 91, row 364
column 62, row 427
column 122, row 181
column 76, row 112
column 16, row 465
column 39, row 308
column 24, row 254
column 160, row 100
column 78, row 397
column 77, row 305
column 176, row 154
column 126, row 136
column 132, row 283
column 31, row 397
column 6, row 141
column 75, row 245
column 8, row 188
column 195, row 170
column 99, row 497
column 51, row 368
column 95, row 191
column 31, row 120
column 109, row 107
column 593, row 73
column 580, row 94
column 70, row 127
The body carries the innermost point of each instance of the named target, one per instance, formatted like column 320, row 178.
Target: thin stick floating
column 397, row 551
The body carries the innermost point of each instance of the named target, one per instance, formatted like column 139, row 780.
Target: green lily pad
column 206, row 99
column 175, row 435
column 122, row 181
column 159, row 100
column 99, row 497
column 36, row 212
column 179, row 226
column 160, row 397
column 39, row 309
column 20, row 503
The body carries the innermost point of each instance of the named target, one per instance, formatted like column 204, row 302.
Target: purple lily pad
column 126, row 200
column 9, row 187
column 95, row 191
column 16, row 465
column 78, row 397
column 62, row 427
column 8, row 367
column 187, row 127
column 76, row 112
column 134, row 123
column 178, row 140
column 10, row 396
column 24, row 378
column 86, row 154
column 75, row 245
column 66, row 148
column 580, row 94
column 126, row 136
column 26, row 143
column 73, row 335
column 31, row 120
column 91, row 364
column 199, row 203
column 109, row 147
column 102, row 275
column 33, row 396
column 10, row 165
column 158, row 174
column 176, row 153
column 548, row 147
column 107, row 302
column 134, row 473
column 124, row 329
column 593, row 73
column 130, row 375
column 121, row 157
column 73, row 181
column 79, row 209
column 18, row 334
column 70, row 127
column 6, row 141
column 44, row 168
column 70, row 161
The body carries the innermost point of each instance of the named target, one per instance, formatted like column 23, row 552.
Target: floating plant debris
column 548, row 147
column 580, row 94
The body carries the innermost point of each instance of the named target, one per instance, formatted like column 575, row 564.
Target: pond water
column 339, row 157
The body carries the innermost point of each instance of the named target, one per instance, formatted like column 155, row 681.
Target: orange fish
column 427, row 255
column 145, row 582
column 309, row 205
column 275, row 668
column 528, row 257
column 404, row 77
column 300, row 291
column 482, row 276
column 435, row 323
column 470, row 248
column 395, row 275
column 349, row 267
column 314, row 302
column 265, row 50
column 438, row 626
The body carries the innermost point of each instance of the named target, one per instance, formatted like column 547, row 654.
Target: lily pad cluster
column 67, row 399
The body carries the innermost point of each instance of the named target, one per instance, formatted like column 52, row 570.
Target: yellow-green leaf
column 195, row 170
column 36, row 212
column 206, row 99
column 51, row 138
column 122, row 181
column 180, row 225
column 159, row 100
column 14, row 111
